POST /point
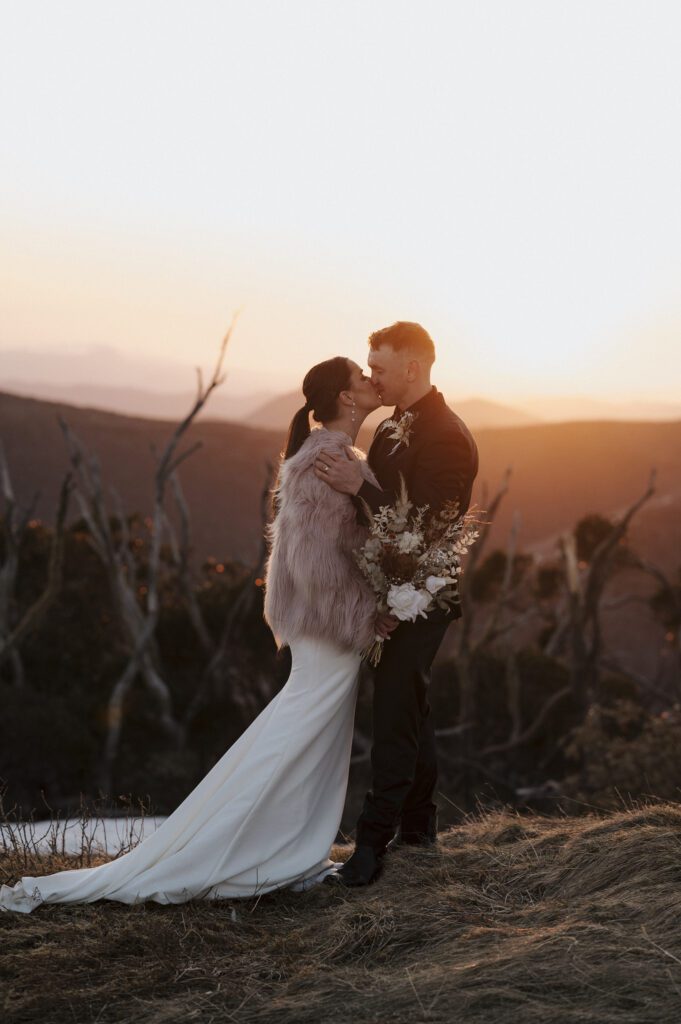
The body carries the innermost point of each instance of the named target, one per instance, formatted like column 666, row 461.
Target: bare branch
column 11, row 639
column 5, row 479
column 473, row 558
column 653, row 570
column 164, row 468
column 582, row 618
column 615, row 603
column 240, row 609
column 180, row 552
column 612, row 664
column 505, row 589
column 532, row 729
column 173, row 466
column 454, row 730
column 603, row 553
column 477, row 549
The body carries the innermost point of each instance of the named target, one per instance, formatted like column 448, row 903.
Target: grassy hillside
column 560, row 471
column 514, row 919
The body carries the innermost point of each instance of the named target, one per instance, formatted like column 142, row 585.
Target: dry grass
column 513, row 919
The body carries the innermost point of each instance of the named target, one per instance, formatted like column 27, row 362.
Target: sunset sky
column 507, row 173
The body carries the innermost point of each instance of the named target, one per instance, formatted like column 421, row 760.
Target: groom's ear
column 413, row 370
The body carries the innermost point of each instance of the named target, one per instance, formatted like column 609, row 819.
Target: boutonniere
column 401, row 429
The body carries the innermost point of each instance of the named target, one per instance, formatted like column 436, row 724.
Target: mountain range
column 156, row 388
column 276, row 413
column 136, row 401
column 258, row 409
column 560, row 472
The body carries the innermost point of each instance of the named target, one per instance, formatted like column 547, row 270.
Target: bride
column 266, row 815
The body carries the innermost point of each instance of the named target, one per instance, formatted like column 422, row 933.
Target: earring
column 353, row 412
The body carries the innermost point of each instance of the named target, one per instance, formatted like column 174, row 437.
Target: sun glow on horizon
column 497, row 173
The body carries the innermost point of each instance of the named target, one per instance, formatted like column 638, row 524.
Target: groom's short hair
column 405, row 336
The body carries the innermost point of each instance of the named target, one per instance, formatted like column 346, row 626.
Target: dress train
column 263, row 818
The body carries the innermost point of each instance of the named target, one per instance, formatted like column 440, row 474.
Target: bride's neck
column 345, row 423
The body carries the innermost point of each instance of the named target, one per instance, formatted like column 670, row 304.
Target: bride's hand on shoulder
column 385, row 624
column 342, row 472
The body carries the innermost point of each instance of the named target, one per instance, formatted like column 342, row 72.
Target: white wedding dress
column 264, row 818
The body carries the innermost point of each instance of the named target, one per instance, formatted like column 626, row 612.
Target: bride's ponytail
column 298, row 431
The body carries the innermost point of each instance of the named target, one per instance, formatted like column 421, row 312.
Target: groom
column 435, row 452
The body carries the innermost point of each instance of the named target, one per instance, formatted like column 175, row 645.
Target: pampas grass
column 512, row 919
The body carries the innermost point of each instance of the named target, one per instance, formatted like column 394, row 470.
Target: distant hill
column 276, row 413
column 258, row 409
column 134, row 401
column 222, row 481
column 108, row 367
column 559, row 409
column 157, row 386
column 479, row 413
column 560, row 471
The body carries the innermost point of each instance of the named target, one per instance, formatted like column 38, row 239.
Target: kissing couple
column 267, row 814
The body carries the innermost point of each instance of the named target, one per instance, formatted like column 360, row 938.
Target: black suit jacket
column 439, row 464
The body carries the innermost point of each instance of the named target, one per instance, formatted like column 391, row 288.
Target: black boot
column 362, row 868
column 416, row 833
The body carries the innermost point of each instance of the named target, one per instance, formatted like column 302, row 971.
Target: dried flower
column 412, row 559
column 401, row 429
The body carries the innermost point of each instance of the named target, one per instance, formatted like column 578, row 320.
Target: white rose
column 406, row 602
column 435, row 583
column 408, row 542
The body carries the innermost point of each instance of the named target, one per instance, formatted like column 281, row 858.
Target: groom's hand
column 343, row 473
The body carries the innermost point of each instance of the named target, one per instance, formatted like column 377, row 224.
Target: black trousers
column 403, row 756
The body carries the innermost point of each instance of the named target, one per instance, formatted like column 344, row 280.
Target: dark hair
column 321, row 387
column 405, row 336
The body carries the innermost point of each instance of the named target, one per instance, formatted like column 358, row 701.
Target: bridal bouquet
column 412, row 559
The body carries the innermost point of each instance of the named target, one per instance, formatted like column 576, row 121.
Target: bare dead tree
column 14, row 526
column 180, row 548
column 111, row 542
column 577, row 633
column 241, row 610
column 520, row 733
column 670, row 590
column 519, row 736
column 669, row 657
column 466, row 648
column 138, row 621
column 579, row 626
column 611, row 663
column 493, row 627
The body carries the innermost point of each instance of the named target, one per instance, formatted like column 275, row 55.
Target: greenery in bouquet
column 412, row 558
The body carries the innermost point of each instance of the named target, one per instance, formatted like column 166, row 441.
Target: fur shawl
column 313, row 586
